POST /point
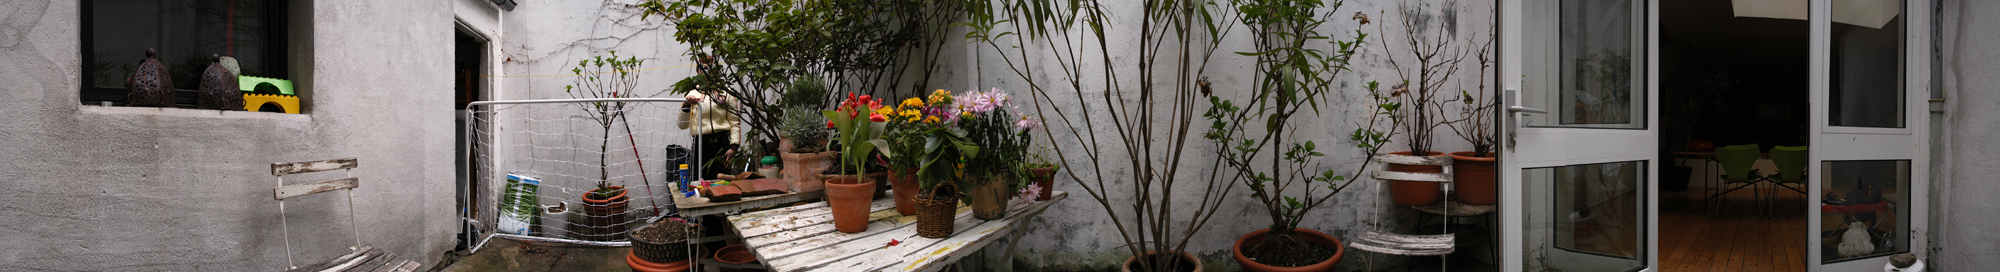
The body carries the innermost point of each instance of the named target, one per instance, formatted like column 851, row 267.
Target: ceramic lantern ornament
column 151, row 85
column 219, row 90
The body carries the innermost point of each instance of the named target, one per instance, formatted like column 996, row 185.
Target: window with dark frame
column 116, row 34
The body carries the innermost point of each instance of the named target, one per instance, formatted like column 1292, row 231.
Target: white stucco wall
column 1076, row 235
column 1964, row 240
column 146, row 189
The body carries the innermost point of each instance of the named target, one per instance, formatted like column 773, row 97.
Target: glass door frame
column 1632, row 144
column 1839, row 143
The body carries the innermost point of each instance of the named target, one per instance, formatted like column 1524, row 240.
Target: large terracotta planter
column 607, row 216
column 1310, row 236
column 735, row 255
column 1194, row 264
column 935, row 214
column 1415, row 193
column 904, row 184
column 802, row 170
column 641, row 265
column 1044, row 177
column 849, row 197
column 1474, row 178
column 989, row 199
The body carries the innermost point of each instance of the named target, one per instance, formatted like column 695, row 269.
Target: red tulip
column 877, row 118
column 829, row 124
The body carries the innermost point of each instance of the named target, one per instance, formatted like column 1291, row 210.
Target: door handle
column 1514, row 112
column 1520, row 109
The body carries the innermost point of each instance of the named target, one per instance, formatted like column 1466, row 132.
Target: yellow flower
column 911, row 103
column 940, row 97
column 931, row 119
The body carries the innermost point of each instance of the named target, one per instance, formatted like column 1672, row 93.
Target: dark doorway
column 468, row 85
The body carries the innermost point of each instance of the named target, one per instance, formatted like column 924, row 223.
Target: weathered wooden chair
column 363, row 258
column 1408, row 244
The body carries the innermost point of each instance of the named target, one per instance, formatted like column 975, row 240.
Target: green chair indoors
column 1791, row 162
column 1736, row 163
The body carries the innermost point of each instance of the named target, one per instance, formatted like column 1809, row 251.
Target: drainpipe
column 1936, row 134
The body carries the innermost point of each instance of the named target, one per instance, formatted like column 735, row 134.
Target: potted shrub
column 905, row 136
column 605, row 205
column 805, row 129
column 1130, row 126
column 1002, row 139
column 938, row 181
column 1258, row 143
column 1419, row 112
column 1041, row 172
column 1472, row 171
column 859, row 129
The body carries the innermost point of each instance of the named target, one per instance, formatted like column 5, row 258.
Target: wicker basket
column 935, row 216
column 661, row 252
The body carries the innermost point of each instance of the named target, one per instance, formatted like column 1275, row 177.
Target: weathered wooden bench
column 363, row 258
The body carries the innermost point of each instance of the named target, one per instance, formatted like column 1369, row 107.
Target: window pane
column 1600, row 63
column 1588, row 217
column 1864, row 210
column 122, row 30
column 185, row 33
column 1867, row 83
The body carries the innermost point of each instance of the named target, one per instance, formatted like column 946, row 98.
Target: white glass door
column 1579, row 139
column 1868, row 81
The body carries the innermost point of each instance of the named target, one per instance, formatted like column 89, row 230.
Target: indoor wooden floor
column 1736, row 240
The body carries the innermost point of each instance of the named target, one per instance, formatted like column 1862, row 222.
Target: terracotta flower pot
column 1310, row 236
column 641, row 265
column 989, row 199
column 936, row 214
column 802, row 170
column 736, row 255
column 904, row 184
column 1414, row 193
column 849, row 197
column 1044, row 177
column 1475, row 178
column 1188, row 261
column 607, row 216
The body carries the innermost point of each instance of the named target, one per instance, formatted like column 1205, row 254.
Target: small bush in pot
column 859, row 129
column 1002, row 137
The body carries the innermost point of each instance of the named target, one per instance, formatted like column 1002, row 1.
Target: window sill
column 194, row 113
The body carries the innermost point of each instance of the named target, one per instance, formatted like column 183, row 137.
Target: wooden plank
column 1406, row 176
column 287, row 168
column 869, row 250
column 410, row 266
column 294, row 190
column 378, row 262
column 951, row 250
column 351, row 263
column 337, row 261
column 698, row 206
column 1413, row 160
column 811, row 238
column 797, row 219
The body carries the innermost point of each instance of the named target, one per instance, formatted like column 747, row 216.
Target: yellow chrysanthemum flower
column 911, row 103
column 931, row 119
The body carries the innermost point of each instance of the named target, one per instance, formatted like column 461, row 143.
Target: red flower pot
column 1475, row 178
column 641, row 265
column 1415, row 193
column 904, row 184
column 849, row 197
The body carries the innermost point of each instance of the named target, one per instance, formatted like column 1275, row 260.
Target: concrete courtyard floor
column 510, row 255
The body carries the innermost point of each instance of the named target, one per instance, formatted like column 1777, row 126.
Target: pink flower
column 1026, row 123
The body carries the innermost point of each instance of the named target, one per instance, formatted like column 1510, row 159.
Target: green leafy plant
column 859, row 130
column 604, row 77
column 1001, row 135
column 807, row 129
column 1255, row 136
column 751, row 49
column 804, row 92
column 1129, row 99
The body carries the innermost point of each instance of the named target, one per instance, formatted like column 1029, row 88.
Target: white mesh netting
column 537, row 162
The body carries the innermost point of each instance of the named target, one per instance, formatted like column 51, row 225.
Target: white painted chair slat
column 1413, row 160
column 1405, row 244
column 295, row 190
column 287, row 168
column 1407, row 176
